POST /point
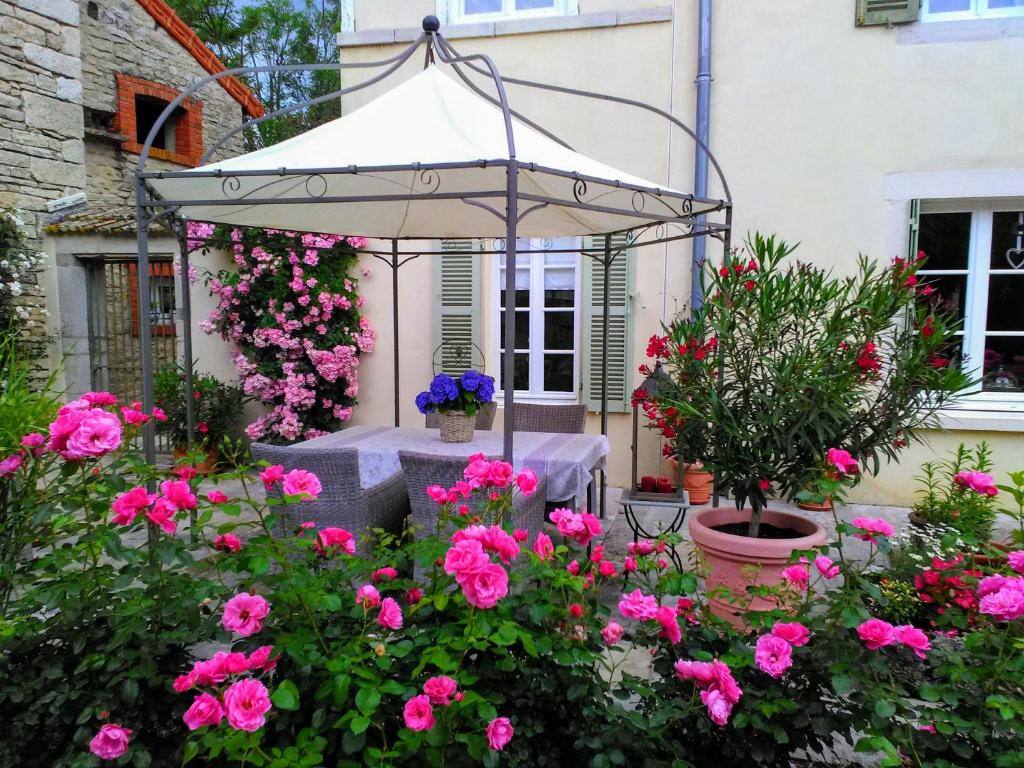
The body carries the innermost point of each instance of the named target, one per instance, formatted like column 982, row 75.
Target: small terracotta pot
column 697, row 481
column 736, row 562
column 813, row 506
column 206, row 467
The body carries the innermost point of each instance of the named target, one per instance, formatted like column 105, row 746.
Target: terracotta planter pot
column 813, row 506
column 206, row 467
column 697, row 481
column 736, row 562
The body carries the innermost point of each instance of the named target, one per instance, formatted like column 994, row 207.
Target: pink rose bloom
column 701, row 672
column 1005, row 604
column 334, row 540
column 185, row 472
column 913, row 638
column 668, row 618
column 77, row 434
column 260, row 659
column 526, row 481
column 386, row 573
column 826, row 567
column 843, row 462
column 876, row 634
column 793, row 632
column 484, row 588
column 299, row 482
column 718, row 706
column 216, row 497
column 162, row 515
column 179, row 493
column 159, row 415
column 725, row 682
column 438, row 494
column 464, row 558
column 612, row 633
column 128, row 505
column 629, row 564
column 499, row 733
column 871, row 526
column 991, row 584
column 272, row 475
column 134, row 417
column 33, row 440
column 637, row 605
column 368, row 596
column 606, row 569
column 796, row 575
column 979, row 482
column 10, row 465
column 520, row 535
column 1016, row 560
column 573, row 567
column 390, row 615
column 227, row 542
column 99, row 398
column 246, row 703
column 440, row 690
column 244, row 614
column 111, row 742
column 418, row 713
column 183, row 682
column 413, row 596
column 773, row 655
column 641, row 548
column 205, row 710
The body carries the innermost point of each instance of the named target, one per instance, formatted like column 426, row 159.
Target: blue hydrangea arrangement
column 466, row 394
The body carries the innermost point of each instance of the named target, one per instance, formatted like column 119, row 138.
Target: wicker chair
column 484, row 418
column 532, row 417
column 425, row 469
column 342, row 502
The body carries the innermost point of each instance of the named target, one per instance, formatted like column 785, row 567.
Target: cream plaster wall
column 810, row 118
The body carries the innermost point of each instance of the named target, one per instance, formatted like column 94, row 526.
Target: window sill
column 963, row 31
column 982, row 420
column 523, row 26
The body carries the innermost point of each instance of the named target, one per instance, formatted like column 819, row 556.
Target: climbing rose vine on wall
column 291, row 310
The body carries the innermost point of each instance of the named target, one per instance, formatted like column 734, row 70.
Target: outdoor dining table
column 568, row 461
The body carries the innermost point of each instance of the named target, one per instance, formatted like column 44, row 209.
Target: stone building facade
column 81, row 85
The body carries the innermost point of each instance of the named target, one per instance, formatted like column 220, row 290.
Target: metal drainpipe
column 700, row 164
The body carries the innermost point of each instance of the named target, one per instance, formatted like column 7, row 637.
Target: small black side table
column 679, row 503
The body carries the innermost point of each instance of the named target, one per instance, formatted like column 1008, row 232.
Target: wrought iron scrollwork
column 430, row 179
column 316, row 185
column 579, row 190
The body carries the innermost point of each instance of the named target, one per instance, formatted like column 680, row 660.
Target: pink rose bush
column 292, row 310
column 244, row 614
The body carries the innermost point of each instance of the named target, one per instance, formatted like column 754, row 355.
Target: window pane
column 521, row 376
column 522, row 298
column 483, row 6
column 529, row 5
column 561, row 259
column 1008, row 240
column 522, row 329
column 558, row 373
column 946, row 239
column 559, row 298
column 1004, row 364
column 559, row 278
column 1005, row 302
column 993, row 4
column 559, row 330
column 949, row 292
column 948, row 6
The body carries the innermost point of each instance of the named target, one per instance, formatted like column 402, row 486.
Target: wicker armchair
column 425, row 469
column 484, row 418
column 532, row 417
column 342, row 502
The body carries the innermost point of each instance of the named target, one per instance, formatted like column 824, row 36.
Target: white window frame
column 976, row 299
column 536, row 393
column 979, row 9
column 454, row 11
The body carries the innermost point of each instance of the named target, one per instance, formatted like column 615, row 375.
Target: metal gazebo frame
column 680, row 225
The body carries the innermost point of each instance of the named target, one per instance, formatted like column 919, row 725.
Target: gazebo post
column 605, row 297
column 143, row 217
column 394, row 321
column 509, row 363
column 186, row 337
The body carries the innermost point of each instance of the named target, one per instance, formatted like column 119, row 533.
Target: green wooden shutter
column 456, row 304
column 913, row 229
column 620, row 326
column 873, row 12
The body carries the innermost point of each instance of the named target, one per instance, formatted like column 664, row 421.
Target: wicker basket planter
column 456, row 427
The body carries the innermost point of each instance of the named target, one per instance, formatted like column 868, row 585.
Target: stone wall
column 123, row 38
column 42, row 153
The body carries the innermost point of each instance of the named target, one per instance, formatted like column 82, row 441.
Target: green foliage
column 216, row 407
column 945, row 502
column 1015, row 490
column 785, row 360
column 18, row 261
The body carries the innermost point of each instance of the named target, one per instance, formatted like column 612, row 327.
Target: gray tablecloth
column 565, row 460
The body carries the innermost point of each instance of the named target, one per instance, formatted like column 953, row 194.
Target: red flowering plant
column 785, row 359
column 291, row 310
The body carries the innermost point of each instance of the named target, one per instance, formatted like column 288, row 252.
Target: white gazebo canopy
column 424, row 160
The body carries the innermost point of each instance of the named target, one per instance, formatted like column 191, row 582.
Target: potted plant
column 958, row 492
column 216, row 413
column 456, row 401
column 785, row 360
